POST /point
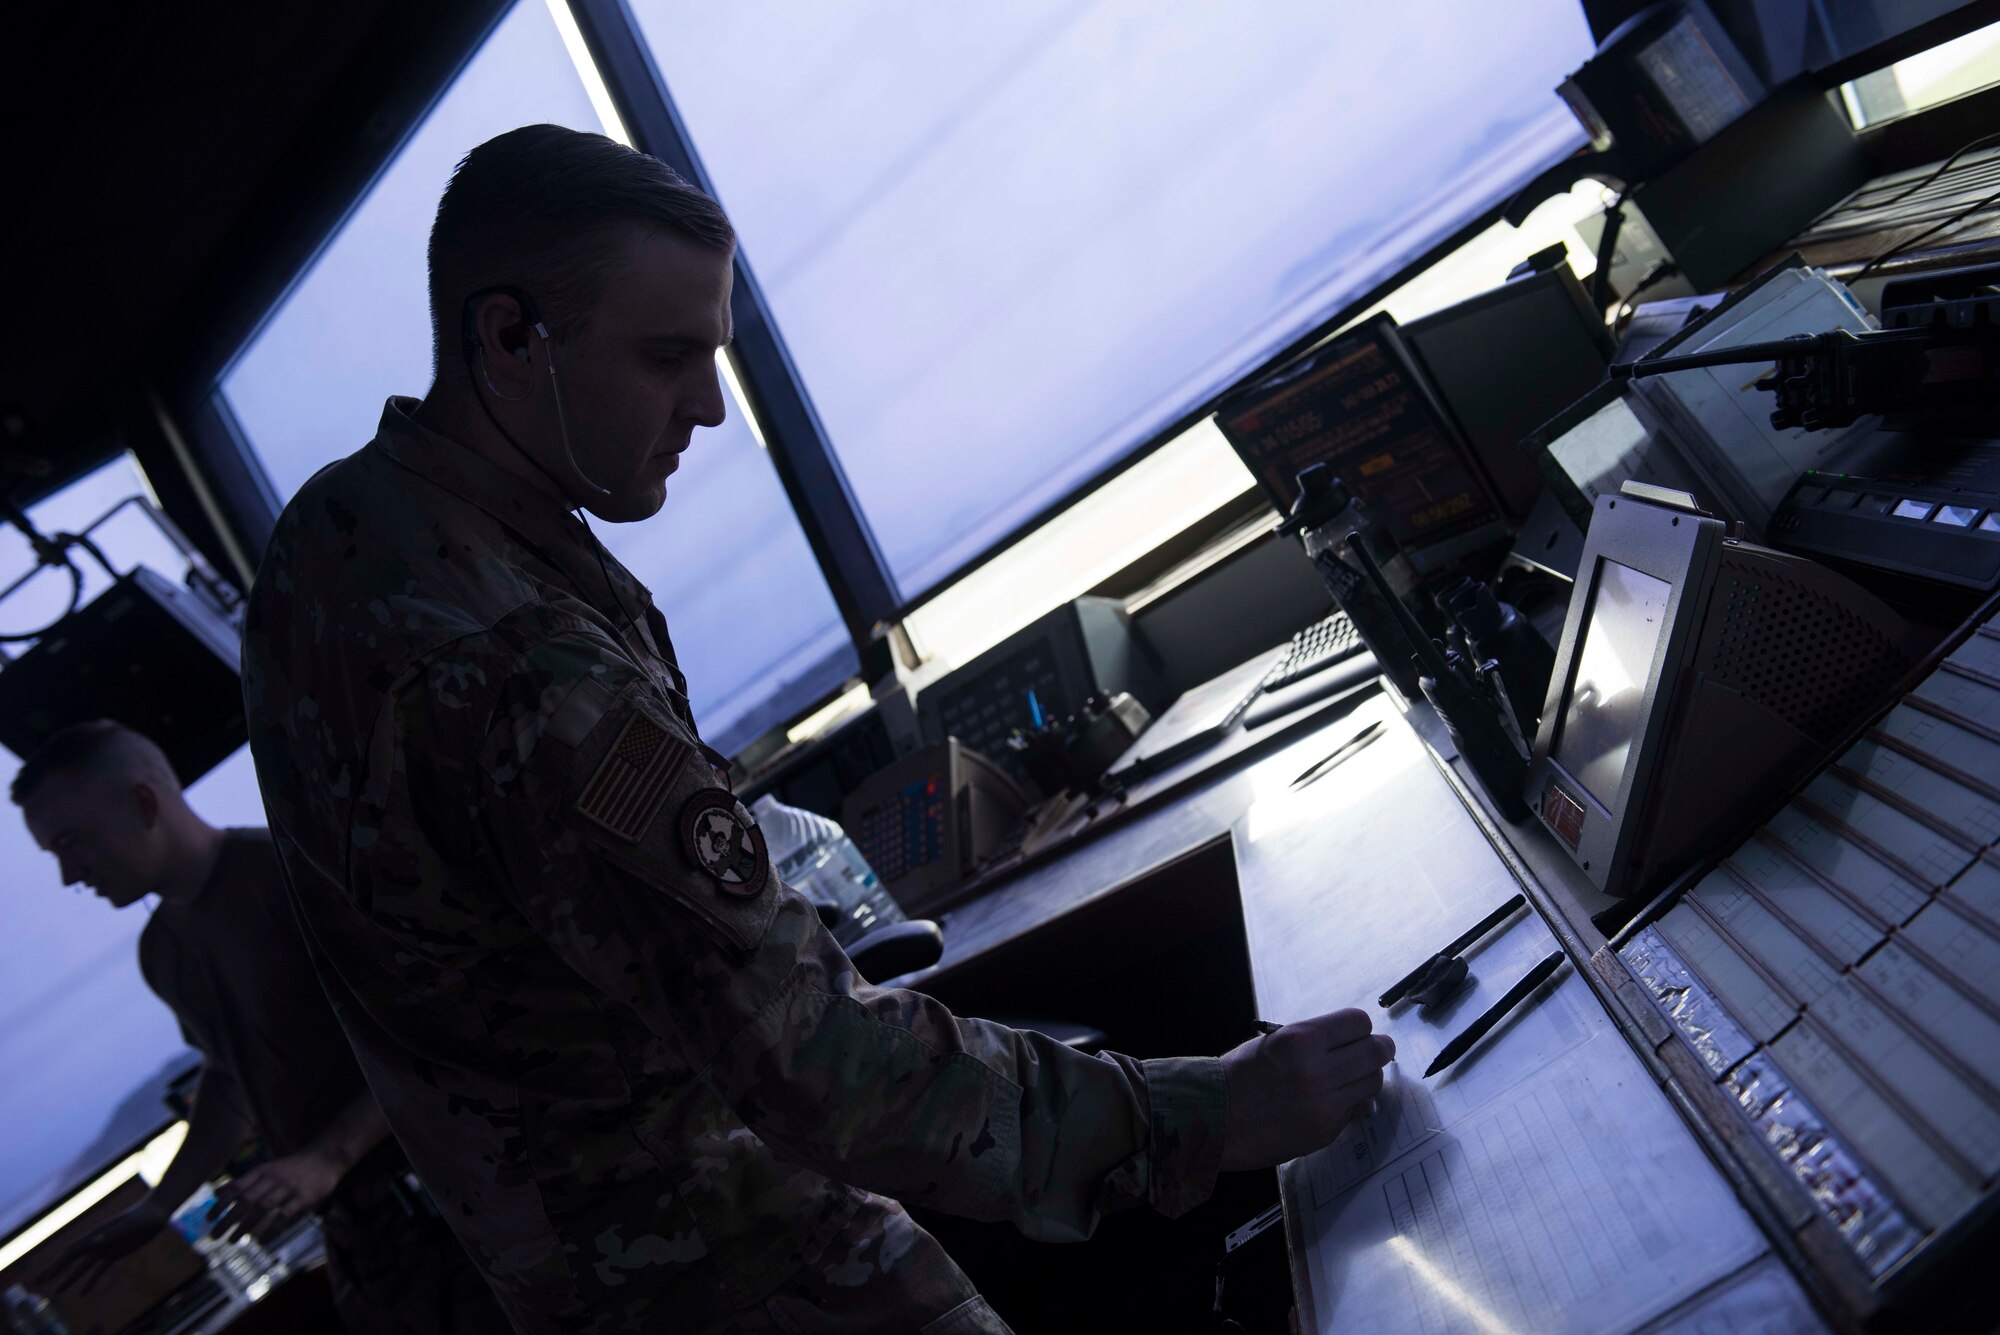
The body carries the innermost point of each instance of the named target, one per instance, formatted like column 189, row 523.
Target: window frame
column 186, row 438
column 812, row 474
column 863, row 588
column 241, row 499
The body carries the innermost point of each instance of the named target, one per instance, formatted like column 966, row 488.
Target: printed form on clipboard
column 1543, row 1183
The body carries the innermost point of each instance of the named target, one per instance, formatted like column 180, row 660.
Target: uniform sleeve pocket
column 641, row 792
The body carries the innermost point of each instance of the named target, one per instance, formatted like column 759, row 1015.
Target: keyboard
column 1318, row 646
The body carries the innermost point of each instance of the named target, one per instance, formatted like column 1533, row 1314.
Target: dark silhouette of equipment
column 158, row 657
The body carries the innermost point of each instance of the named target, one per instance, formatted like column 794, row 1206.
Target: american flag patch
column 634, row 777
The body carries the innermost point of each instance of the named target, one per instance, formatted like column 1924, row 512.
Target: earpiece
column 530, row 319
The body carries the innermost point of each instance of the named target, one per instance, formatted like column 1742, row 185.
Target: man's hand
column 1290, row 1092
column 271, row 1195
column 84, row 1261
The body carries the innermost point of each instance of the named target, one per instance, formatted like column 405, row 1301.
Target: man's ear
column 149, row 804
column 506, row 347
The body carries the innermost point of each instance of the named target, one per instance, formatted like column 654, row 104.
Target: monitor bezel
column 1560, row 277
column 1678, row 547
column 1557, row 279
column 1382, row 329
column 1537, row 444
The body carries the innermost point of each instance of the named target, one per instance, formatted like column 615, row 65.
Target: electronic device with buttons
column 1363, row 405
column 1910, row 503
column 1043, row 672
column 1919, row 509
column 931, row 819
column 1698, row 675
column 819, row 775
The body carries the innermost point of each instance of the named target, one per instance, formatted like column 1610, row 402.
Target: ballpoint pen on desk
column 1410, row 981
column 1475, row 1031
column 1339, row 753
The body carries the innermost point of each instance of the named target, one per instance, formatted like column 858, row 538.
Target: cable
column 1942, row 168
column 508, row 436
column 75, row 600
column 597, row 550
column 1607, row 246
column 596, row 547
column 1661, row 271
column 1926, row 234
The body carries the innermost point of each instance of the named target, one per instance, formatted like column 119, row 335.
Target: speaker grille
column 1801, row 654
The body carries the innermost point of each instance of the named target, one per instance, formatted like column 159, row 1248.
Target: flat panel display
column 1607, row 700
column 1603, row 451
column 1509, row 360
column 1357, row 405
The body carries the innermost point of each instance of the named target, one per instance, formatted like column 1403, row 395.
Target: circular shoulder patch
column 720, row 837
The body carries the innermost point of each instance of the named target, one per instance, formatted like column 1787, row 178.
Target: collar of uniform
column 222, row 868
column 554, row 533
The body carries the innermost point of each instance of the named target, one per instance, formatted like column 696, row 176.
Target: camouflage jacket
column 645, row 1085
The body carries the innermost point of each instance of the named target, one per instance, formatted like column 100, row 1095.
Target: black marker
column 1475, row 1031
column 1340, row 753
column 1471, row 934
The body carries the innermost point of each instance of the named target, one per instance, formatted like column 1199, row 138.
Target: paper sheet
column 1402, row 1116
column 1558, row 1017
column 1963, row 696
column 1576, row 1202
column 1977, row 891
column 1765, row 938
column 1947, row 742
column 1842, row 931
column 1959, row 945
column 1410, row 1108
column 1975, row 817
column 1945, row 1101
column 1847, row 864
column 1979, row 652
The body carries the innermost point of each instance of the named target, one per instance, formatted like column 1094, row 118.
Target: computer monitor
column 1360, row 404
column 1698, row 678
column 1597, row 444
column 1506, row 361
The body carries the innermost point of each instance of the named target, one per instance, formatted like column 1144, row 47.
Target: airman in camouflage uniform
column 634, row 1089
column 642, row 1081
